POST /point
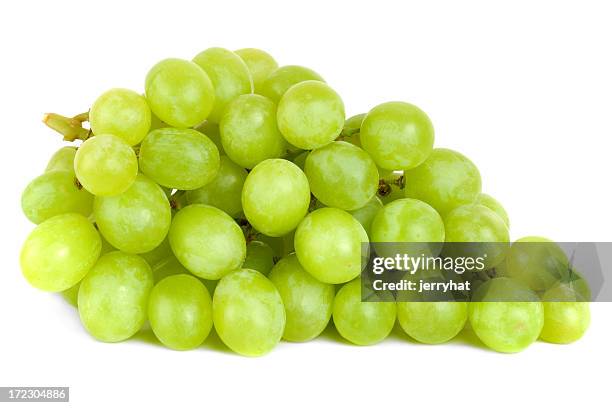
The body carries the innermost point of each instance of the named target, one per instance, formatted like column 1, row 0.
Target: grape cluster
column 233, row 194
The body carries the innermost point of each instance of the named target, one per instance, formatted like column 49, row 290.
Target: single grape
column 184, row 159
column 106, row 165
column 310, row 115
column 59, row 252
column 122, row 113
column 432, row 322
column 171, row 266
column 136, row 221
column 341, row 175
column 180, row 312
column 446, row 180
column 207, row 241
column 229, row 74
column 328, row 245
column 276, row 243
column 53, row 193
column 71, row 295
column 397, row 135
column 566, row 315
column 300, row 159
column 157, row 123
column 224, row 190
column 283, row 78
column 259, row 257
column 157, row 254
column 249, row 133
column 502, row 324
column 260, row 64
column 365, row 215
column 248, row 313
column 211, row 130
column 493, row 204
column 362, row 323
column 62, row 160
column 179, row 92
column 308, row 302
column 352, row 128
column 113, row 296
column 275, row 197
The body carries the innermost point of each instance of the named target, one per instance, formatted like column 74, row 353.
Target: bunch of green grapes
column 231, row 193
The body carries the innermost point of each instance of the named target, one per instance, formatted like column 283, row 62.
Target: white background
column 523, row 88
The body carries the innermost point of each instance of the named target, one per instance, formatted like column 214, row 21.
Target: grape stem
column 71, row 128
column 388, row 184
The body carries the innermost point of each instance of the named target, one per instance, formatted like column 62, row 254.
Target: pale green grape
column 179, row 92
column 280, row 80
column 113, row 296
column 249, row 133
column 106, row 165
column 352, row 128
column 122, row 113
column 341, row 175
column 157, row 123
column 566, row 315
column 308, row 302
column 365, row 215
column 276, row 243
column 184, row 159
column 328, row 245
column 59, row 252
column 493, row 204
column 157, row 254
column 446, row 180
column 207, row 241
column 432, row 322
column 137, row 220
column 259, row 257
column 248, row 313
column 229, row 74
column 171, row 266
column 397, row 135
column 300, row 160
column 180, row 312
column 477, row 223
column 362, row 323
column 260, row 64
column 224, row 190
column 310, row 115
column 275, row 197
column 62, row 160
column 211, row 130
column 53, row 193
column 507, row 326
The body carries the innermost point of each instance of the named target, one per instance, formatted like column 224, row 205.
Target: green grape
column 352, row 128
column 224, row 190
column 137, row 220
column 328, row 245
column 180, row 312
column 397, row 135
column 260, row 64
column 157, row 123
column 362, row 323
column 207, row 241
column 157, row 254
column 62, row 160
column 106, row 165
column 432, row 322
column 342, row 175
column 308, row 302
column 276, row 243
column 477, row 223
column 283, row 78
column 59, row 252
column 248, row 313
column 229, row 74
column 508, row 316
column 275, row 197
column 71, row 295
column 365, row 215
column 184, row 159
column 259, row 257
column 300, row 160
column 493, row 204
column 310, row 115
column 536, row 262
column 53, row 193
column 445, row 180
column 249, row 133
column 122, row 113
column 211, row 130
column 566, row 315
column 113, row 296
column 171, row 266
column 179, row 92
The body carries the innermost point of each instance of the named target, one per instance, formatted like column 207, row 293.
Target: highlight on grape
column 232, row 194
